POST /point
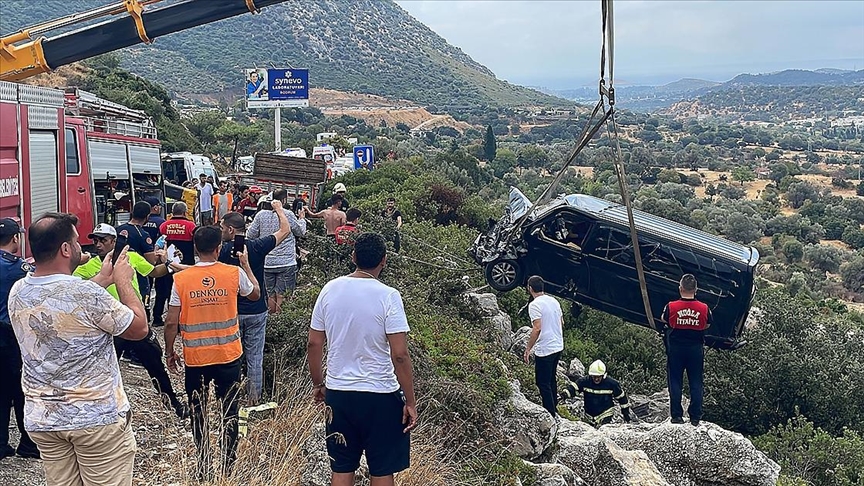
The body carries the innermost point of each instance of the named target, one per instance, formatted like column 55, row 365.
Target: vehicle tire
column 504, row 275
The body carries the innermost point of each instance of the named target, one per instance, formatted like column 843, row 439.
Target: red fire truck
column 72, row 151
column 78, row 153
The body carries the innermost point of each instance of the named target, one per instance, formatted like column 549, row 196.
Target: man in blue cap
column 12, row 269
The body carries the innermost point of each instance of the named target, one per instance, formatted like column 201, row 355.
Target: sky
column 556, row 44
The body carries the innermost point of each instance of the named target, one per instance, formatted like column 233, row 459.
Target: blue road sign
column 364, row 157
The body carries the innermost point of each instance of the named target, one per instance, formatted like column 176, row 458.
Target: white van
column 179, row 167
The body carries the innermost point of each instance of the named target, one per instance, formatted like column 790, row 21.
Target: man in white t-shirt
column 546, row 341
column 369, row 385
column 75, row 408
column 205, row 201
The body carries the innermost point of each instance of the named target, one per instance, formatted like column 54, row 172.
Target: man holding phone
column 252, row 313
column 147, row 350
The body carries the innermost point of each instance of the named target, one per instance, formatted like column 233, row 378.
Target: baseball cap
column 255, row 190
column 102, row 230
column 154, row 201
column 339, row 188
column 9, row 226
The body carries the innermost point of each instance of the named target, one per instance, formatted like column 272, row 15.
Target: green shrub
column 809, row 455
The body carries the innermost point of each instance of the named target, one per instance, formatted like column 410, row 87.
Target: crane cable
column 607, row 93
column 612, row 129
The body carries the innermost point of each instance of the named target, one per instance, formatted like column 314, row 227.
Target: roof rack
column 101, row 115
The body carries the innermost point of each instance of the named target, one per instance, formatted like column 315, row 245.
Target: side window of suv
column 614, row 245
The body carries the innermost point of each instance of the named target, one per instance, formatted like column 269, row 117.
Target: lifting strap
column 607, row 58
column 136, row 10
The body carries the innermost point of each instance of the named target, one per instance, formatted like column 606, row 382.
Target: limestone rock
column 501, row 330
column 486, row 304
column 500, row 327
column 520, row 340
column 529, row 426
column 555, row 475
column 654, row 408
column 697, row 456
column 576, row 369
column 601, row 461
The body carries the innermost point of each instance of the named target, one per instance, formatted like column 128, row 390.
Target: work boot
column 694, row 422
column 677, row 420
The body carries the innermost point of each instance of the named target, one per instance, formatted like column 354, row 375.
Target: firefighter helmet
column 597, row 368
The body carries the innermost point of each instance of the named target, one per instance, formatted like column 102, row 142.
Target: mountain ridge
column 368, row 46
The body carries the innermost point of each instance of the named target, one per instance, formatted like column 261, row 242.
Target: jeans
column 226, row 379
column 545, row 368
column 163, row 292
column 689, row 358
column 149, row 352
column 11, row 395
column 253, row 329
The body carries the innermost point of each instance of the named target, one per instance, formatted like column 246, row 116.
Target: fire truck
column 78, row 153
column 69, row 150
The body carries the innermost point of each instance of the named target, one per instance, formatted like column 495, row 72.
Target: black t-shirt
column 257, row 249
column 396, row 214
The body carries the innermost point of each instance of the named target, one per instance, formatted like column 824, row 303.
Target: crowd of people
column 69, row 318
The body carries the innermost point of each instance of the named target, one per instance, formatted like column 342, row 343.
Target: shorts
column 371, row 423
column 280, row 280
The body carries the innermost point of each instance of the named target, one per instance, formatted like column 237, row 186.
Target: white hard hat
column 339, row 188
column 597, row 368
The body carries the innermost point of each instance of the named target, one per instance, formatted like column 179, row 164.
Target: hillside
column 800, row 77
column 772, row 103
column 368, row 46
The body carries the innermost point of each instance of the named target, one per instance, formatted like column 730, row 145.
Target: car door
column 556, row 252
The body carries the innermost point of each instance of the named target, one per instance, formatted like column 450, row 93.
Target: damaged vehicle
column 581, row 246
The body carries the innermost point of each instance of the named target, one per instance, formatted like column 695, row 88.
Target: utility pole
column 277, row 129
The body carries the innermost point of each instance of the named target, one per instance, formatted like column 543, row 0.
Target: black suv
column 581, row 247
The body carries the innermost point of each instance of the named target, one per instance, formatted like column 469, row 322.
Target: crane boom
column 20, row 61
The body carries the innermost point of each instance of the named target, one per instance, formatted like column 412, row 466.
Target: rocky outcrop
column 654, row 408
column 555, row 475
column 500, row 326
column 520, row 340
column 529, row 426
column 601, row 461
column 576, row 369
column 698, row 456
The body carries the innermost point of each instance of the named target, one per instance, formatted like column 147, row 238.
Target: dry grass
column 285, row 446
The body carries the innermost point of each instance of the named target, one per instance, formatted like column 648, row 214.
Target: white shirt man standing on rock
column 76, row 410
column 546, row 341
column 369, row 387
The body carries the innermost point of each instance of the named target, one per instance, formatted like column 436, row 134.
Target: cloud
column 559, row 41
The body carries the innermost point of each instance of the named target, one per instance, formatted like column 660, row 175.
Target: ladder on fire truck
column 105, row 116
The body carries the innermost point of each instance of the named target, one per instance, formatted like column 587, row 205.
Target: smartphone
column 239, row 245
column 119, row 244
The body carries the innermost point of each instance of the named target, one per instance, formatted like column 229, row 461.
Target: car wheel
column 504, row 275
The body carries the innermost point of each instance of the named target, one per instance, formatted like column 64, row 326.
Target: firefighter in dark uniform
column 12, row 269
column 599, row 392
column 685, row 322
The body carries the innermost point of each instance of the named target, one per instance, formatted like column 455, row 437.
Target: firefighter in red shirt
column 685, row 322
column 178, row 232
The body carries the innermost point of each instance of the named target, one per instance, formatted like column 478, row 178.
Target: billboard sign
column 364, row 157
column 277, row 88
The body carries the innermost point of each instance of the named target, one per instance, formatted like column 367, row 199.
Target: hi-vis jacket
column 599, row 397
column 209, row 327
